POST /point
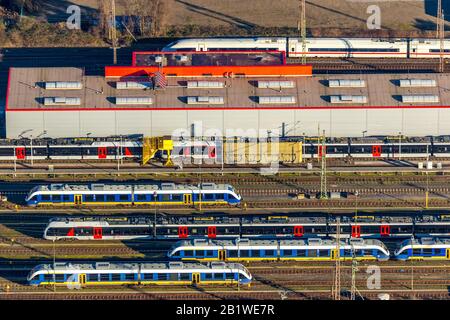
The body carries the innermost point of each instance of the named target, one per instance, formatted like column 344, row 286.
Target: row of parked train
column 320, row 47
column 251, row 226
column 219, row 254
column 211, row 150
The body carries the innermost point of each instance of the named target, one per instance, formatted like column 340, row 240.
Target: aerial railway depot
column 267, row 225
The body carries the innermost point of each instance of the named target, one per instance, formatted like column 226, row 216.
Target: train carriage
column 105, row 273
column 425, row 248
column 314, row 249
column 320, row 47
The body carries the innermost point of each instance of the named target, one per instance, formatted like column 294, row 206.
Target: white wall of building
column 337, row 123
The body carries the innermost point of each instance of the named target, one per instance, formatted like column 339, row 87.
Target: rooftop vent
column 61, row 101
column 425, row 98
column 205, row 84
column 348, row 99
column 176, row 265
column 427, row 240
column 100, row 265
column 408, row 83
column 121, row 85
column 133, row 100
column 218, row 265
column 275, row 84
column 167, row 186
column 204, row 100
column 356, row 241
column 314, row 241
column 97, row 186
column 276, row 99
column 346, row 83
column 63, row 85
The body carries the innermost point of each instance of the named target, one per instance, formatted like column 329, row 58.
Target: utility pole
column 323, row 170
column 336, row 291
column 438, row 16
column 441, row 34
column 113, row 30
column 302, row 29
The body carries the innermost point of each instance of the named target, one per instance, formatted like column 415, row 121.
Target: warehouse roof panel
column 27, row 91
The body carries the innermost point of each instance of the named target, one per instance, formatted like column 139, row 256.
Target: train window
column 66, row 198
column 115, row 277
column 417, row 252
column 312, row 253
column 209, row 253
column 124, row 197
column 208, row 196
column 218, row 276
column 110, row 198
column 176, row 254
column 104, row 277
column 208, row 276
column 47, row 277
column 129, row 276
column 162, row 276
column 199, row 253
column 177, row 197
column 324, row 253
column 89, row 198
column 348, row 253
column 141, row 197
column 165, row 197
column 437, row 252
column 56, row 197
column 220, row 196
column 287, row 253
column 244, row 253
column 301, row 253
column 229, row 276
column 232, row 253
column 173, row 276
column 256, row 253
column 185, row 276
column 427, row 252
column 45, row 197
column 92, row 277
column 188, row 253
column 59, row 277
column 100, row 198
column 270, row 253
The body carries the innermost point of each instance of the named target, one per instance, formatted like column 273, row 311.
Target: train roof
column 113, row 266
column 426, row 241
column 127, row 188
column 261, row 243
column 99, row 93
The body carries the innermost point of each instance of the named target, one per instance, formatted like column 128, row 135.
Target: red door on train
column 183, row 232
column 102, row 152
column 376, row 151
column 20, row 153
column 98, row 233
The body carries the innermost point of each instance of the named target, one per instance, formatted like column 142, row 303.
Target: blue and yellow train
column 105, row 273
column 113, row 194
column 426, row 248
column 313, row 249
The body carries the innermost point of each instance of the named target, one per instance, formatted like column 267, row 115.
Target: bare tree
column 104, row 16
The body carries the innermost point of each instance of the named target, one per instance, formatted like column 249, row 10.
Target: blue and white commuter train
column 313, row 249
column 424, row 249
column 108, row 194
column 106, row 273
